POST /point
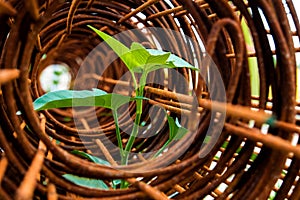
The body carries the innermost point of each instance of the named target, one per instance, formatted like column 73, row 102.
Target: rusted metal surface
column 58, row 29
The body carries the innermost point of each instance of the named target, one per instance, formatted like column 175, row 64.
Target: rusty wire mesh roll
column 243, row 164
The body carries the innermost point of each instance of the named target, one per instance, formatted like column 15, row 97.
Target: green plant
column 138, row 60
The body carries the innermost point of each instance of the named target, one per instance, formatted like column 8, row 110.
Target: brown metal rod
column 3, row 166
column 137, row 10
column 269, row 140
column 28, row 185
column 7, row 75
column 7, row 9
column 51, row 192
column 32, row 8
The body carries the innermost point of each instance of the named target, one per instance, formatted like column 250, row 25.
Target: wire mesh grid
column 254, row 45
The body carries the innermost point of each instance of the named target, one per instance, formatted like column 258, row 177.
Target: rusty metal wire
column 32, row 162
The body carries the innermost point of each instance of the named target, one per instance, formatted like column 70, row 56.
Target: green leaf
column 156, row 62
column 140, row 54
column 86, row 182
column 91, row 158
column 139, row 59
column 176, row 131
column 72, row 98
column 97, row 160
column 115, row 183
column 158, row 59
column 120, row 49
column 137, row 46
column 173, row 61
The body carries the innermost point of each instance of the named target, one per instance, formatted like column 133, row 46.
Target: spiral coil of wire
column 243, row 164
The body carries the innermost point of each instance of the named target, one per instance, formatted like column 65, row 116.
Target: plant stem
column 162, row 148
column 118, row 133
column 134, row 81
column 135, row 130
column 130, row 142
column 120, row 144
column 139, row 108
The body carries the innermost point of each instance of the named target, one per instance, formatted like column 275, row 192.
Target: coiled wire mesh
column 243, row 164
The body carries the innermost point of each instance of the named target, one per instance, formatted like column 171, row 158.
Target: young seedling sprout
column 138, row 60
